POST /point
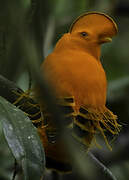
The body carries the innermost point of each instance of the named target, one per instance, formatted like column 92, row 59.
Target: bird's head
column 90, row 30
column 94, row 27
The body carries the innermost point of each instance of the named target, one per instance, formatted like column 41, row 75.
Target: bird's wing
column 84, row 124
column 89, row 121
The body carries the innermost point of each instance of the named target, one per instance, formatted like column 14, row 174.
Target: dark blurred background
column 39, row 24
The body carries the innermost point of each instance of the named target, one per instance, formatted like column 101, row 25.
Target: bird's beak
column 106, row 39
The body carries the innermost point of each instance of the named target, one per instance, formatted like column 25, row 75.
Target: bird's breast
column 77, row 74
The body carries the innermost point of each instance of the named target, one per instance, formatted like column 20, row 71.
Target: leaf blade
column 23, row 140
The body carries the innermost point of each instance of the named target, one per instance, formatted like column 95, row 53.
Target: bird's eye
column 84, row 34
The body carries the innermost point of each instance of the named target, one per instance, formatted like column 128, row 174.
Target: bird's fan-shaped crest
column 97, row 19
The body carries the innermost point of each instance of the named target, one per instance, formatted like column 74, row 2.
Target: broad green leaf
column 23, row 140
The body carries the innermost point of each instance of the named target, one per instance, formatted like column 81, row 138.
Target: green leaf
column 23, row 140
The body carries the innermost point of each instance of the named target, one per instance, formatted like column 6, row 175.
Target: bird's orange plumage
column 74, row 70
column 74, row 67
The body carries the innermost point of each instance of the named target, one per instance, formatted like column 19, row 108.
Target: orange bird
column 76, row 75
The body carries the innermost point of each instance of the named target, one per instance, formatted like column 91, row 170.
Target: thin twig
column 15, row 170
column 102, row 167
column 30, row 80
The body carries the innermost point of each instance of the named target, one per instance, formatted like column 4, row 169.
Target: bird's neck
column 94, row 50
column 66, row 44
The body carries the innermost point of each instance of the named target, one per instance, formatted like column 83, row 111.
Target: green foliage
column 23, row 140
column 6, row 158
